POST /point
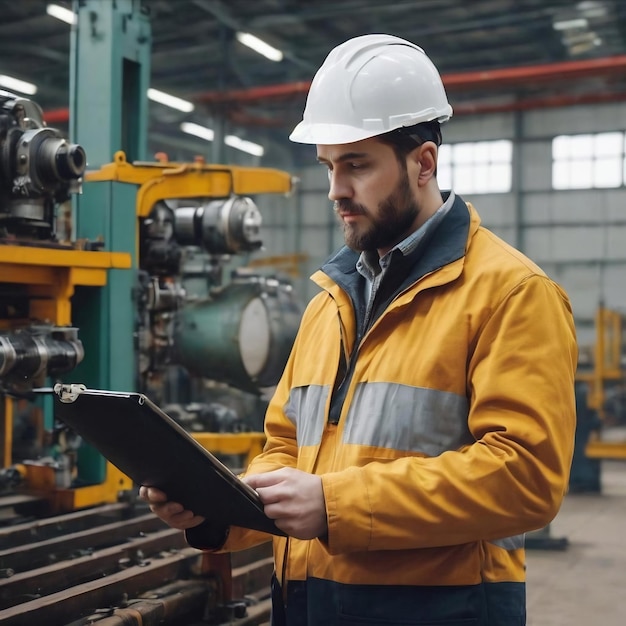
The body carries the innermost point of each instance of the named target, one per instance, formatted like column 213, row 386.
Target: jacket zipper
column 339, row 391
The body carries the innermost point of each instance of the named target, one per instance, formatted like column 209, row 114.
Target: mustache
column 346, row 206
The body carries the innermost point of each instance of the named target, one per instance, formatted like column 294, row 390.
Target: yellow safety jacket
column 449, row 435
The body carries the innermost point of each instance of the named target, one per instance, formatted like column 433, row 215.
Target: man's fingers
column 266, row 479
column 269, row 495
column 257, row 480
column 167, row 509
column 184, row 520
column 173, row 514
column 152, row 494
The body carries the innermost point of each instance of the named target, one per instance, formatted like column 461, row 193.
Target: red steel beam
column 492, row 79
column 548, row 102
column 564, row 71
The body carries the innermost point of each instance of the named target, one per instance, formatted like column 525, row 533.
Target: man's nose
column 339, row 187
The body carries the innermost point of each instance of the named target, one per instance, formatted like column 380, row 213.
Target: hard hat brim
column 329, row 134
column 335, row 134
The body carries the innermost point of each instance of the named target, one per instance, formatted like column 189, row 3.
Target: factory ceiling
column 494, row 55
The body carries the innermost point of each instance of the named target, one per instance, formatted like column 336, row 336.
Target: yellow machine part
column 6, row 427
column 596, row 448
column 164, row 180
column 81, row 497
column 41, row 480
column 606, row 369
column 250, row 444
column 51, row 275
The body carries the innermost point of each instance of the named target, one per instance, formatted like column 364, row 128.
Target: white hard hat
column 368, row 86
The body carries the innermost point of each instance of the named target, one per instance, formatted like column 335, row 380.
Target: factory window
column 588, row 161
column 476, row 167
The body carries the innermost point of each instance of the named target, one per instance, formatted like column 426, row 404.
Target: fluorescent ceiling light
column 230, row 140
column 199, row 131
column 243, row 145
column 170, row 101
column 17, row 85
column 61, row 13
column 591, row 9
column 579, row 22
column 258, row 45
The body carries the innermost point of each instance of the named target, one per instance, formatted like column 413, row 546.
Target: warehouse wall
column 577, row 236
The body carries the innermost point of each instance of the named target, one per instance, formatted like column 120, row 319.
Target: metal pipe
column 548, row 102
column 562, row 71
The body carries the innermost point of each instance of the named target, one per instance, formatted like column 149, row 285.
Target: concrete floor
column 583, row 585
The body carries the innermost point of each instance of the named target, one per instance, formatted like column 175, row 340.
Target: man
column 425, row 419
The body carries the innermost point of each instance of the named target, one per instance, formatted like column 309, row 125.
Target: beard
column 391, row 224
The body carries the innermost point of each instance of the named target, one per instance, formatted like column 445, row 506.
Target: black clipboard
column 152, row 449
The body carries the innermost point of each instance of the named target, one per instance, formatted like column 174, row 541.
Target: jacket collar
column 447, row 243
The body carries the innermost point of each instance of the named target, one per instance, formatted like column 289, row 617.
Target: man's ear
column 424, row 160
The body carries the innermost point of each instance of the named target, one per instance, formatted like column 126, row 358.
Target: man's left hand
column 294, row 499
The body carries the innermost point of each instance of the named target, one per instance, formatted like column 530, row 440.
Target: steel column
column 109, row 78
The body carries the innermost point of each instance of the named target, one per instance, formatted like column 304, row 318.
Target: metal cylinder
column 241, row 336
column 220, row 226
column 39, row 351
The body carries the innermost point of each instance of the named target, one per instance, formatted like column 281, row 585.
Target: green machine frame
column 109, row 79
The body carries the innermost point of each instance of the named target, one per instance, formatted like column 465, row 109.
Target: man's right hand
column 172, row 513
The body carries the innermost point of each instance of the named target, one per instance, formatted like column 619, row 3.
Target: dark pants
column 318, row 602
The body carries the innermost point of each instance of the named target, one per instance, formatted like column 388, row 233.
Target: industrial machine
column 38, row 275
column 600, row 401
column 189, row 325
column 122, row 272
column 203, row 340
column 601, row 368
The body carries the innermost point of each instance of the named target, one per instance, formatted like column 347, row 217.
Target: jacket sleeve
column 512, row 479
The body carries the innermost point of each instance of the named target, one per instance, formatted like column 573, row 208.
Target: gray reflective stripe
column 306, row 408
column 400, row 417
column 510, row 543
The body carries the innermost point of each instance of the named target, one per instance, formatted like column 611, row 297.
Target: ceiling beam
column 223, row 14
column 341, row 9
column 27, row 49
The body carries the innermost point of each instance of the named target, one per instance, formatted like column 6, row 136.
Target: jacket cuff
column 348, row 511
column 207, row 536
